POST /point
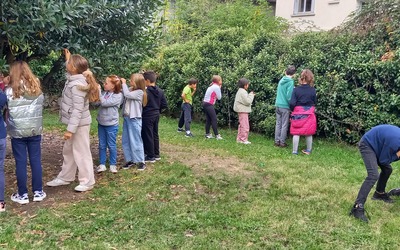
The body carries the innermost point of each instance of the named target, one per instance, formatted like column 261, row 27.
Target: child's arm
column 218, row 92
column 247, row 99
column 163, row 102
column 135, row 95
column 113, row 100
column 184, row 96
column 78, row 106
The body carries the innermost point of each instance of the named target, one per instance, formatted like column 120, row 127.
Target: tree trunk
column 49, row 79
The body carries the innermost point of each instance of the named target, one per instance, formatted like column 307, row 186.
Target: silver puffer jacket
column 25, row 115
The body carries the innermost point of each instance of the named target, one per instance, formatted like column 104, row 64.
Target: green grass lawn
column 277, row 201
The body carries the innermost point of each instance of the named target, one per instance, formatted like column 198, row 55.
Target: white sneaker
column 244, row 142
column 57, row 182
column 113, row 169
column 218, row 137
column 209, row 136
column 83, row 188
column 101, row 168
column 39, row 196
column 21, row 199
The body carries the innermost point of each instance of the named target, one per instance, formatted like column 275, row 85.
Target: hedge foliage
column 356, row 71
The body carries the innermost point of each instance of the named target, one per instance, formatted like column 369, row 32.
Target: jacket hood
column 286, row 80
column 153, row 90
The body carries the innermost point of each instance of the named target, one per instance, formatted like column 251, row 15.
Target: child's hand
column 99, row 86
column 67, row 54
column 123, row 80
column 252, row 92
column 6, row 80
column 67, row 135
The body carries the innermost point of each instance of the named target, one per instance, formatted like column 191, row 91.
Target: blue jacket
column 385, row 141
column 3, row 103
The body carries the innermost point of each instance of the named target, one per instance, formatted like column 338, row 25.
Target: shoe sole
column 21, row 202
column 58, row 184
column 377, row 199
column 87, row 189
column 38, row 199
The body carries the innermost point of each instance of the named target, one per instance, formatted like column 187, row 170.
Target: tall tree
column 110, row 33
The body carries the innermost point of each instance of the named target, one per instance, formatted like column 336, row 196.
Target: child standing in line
column 186, row 114
column 379, row 147
column 282, row 110
column 212, row 94
column 25, row 125
column 80, row 89
column 135, row 100
column 242, row 106
column 303, row 120
column 108, row 122
column 3, row 143
column 156, row 102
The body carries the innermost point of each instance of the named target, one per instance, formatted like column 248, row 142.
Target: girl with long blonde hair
column 135, row 100
column 80, row 89
column 24, row 126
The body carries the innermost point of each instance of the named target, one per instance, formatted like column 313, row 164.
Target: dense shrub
column 356, row 73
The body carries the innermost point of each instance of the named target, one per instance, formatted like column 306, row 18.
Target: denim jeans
column 186, row 116
column 371, row 164
column 3, row 143
column 20, row 147
column 282, row 124
column 108, row 139
column 132, row 143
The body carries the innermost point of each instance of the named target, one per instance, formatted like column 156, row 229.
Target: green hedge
column 355, row 89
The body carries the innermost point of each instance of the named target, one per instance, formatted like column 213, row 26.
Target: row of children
column 294, row 104
column 23, row 101
column 242, row 106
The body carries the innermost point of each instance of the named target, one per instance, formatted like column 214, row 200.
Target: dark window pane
column 308, row 5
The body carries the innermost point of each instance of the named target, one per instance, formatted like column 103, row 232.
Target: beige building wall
column 325, row 14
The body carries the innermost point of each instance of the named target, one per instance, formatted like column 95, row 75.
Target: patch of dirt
column 52, row 144
column 202, row 163
column 205, row 162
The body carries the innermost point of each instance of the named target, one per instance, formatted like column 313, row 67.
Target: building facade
column 315, row 14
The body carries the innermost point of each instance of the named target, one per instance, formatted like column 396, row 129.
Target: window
column 303, row 7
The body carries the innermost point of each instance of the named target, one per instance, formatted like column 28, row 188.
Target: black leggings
column 211, row 117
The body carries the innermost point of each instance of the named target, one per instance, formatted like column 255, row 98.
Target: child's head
column 138, row 82
column 290, row 70
column 150, row 77
column 22, row 80
column 77, row 64
column 193, row 83
column 217, row 79
column 243, row 83
column 307, row 77
column 113, row 84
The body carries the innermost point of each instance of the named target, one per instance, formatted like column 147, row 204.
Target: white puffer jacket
column 74, row 111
